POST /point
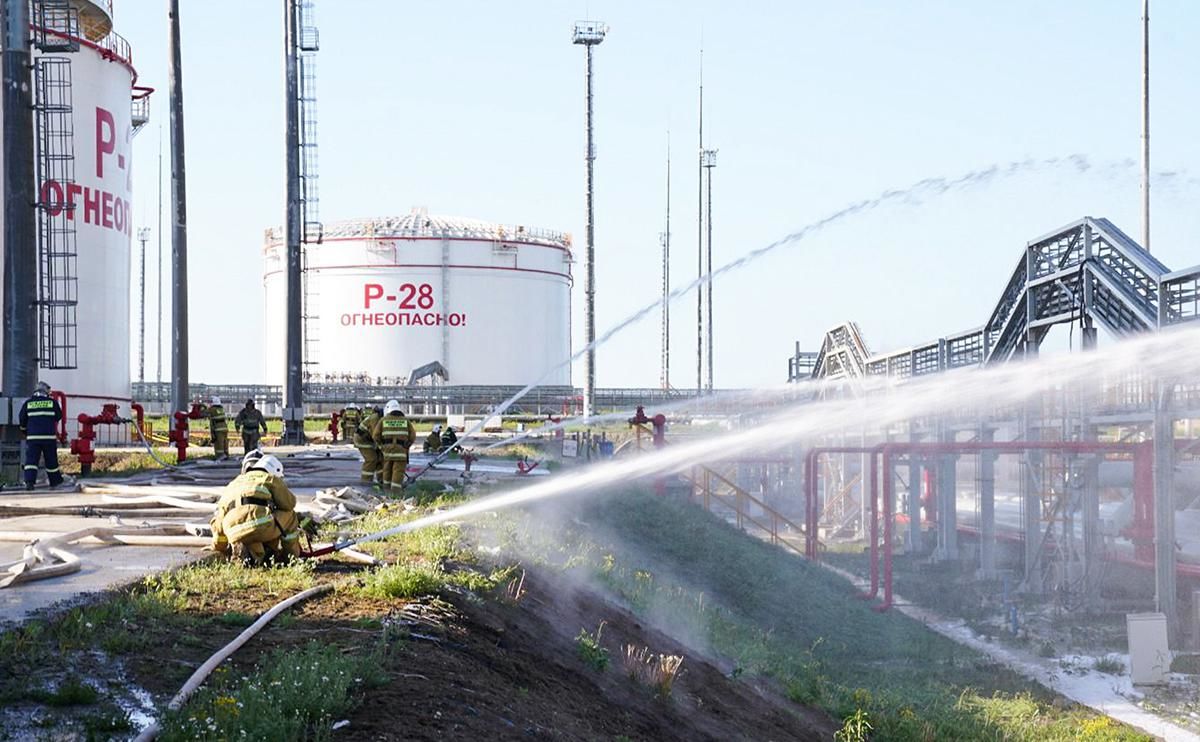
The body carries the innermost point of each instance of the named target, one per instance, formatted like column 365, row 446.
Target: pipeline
column 201, row 674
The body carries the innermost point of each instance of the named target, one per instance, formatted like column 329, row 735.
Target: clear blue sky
column 476, row 109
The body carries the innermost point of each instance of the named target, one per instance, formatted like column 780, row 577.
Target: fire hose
column 201, row 674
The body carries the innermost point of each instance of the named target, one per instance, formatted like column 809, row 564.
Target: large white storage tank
column 102, row 90
column 491, row 303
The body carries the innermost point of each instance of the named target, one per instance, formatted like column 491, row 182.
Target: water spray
column 926, row 188
column 1174, row 352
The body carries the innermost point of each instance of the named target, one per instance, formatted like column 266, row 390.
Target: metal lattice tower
column 664, row 239
column 708, row 160
column 313, row 230
column 56, row 28
column 143, row 235
column 589, row 34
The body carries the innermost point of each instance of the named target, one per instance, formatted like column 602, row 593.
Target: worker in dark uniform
column 449, row 438
column 251, row 424
column 38, row 419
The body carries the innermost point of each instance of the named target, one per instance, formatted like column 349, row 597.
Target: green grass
column 291, row 695
column 404, row 581
column 779, row 616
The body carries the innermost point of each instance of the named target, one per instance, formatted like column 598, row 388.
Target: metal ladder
column 56, row 29
column 313, row 230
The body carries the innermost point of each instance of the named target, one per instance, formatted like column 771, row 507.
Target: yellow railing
column 712, row 488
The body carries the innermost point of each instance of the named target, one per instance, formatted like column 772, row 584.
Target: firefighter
column 449, row 439
column 218, row 428
column 256, row 516
column 394, row 434
column 351, row 416
column 38, row 419
column 251, row 424
column 433, row 442
column 364, row 441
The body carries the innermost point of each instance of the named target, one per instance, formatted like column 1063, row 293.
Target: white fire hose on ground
column 50, row 558
column 201, row 674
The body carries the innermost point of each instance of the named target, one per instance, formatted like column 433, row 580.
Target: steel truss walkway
column 1088, row 271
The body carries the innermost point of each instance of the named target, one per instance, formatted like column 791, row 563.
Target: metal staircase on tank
column 313, row 232
column 55, row 31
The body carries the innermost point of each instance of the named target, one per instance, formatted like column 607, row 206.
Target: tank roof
column 420, row 223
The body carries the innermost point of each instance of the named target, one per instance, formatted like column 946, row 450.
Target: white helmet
column 391, row 406
column 437, row 428
column 270, row 465
column 216, row 400
column 250, row 459
column 352, row 406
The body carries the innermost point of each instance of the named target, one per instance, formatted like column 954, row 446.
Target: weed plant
column 590, row 650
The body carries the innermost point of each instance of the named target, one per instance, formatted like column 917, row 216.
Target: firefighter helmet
column 270, row 465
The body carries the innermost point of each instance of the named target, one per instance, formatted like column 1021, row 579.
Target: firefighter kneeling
column 257, row 515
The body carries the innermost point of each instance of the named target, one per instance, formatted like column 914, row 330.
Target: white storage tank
column 491, row 303
column 101, row 87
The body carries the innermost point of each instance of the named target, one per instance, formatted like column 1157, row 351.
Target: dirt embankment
column 506, row 671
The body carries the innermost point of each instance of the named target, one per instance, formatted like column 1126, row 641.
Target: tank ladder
column 56, row 30
column 313, row 230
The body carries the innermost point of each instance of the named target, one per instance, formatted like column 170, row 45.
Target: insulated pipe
column 201, row 674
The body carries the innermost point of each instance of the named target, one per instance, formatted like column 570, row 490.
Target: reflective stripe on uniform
column 250, row 525
column 40, row 413
column 395, row 456
column 41, row 437
column 291, row 536
column 31, row 466
column 55, row 470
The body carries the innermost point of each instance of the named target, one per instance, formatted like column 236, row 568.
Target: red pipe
column 1141, row 530
column 140, row 416
column 62, row 422
column 887, row 530
column 952, row 447
column 812, row 512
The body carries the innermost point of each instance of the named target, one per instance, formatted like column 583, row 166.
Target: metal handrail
column 740, row 495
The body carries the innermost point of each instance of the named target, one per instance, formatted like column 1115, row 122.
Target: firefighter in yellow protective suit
column 218, row 428
column 256, row 516
column 350, row 418
column 433, row 442
column 395, row 434
column 364, row 441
